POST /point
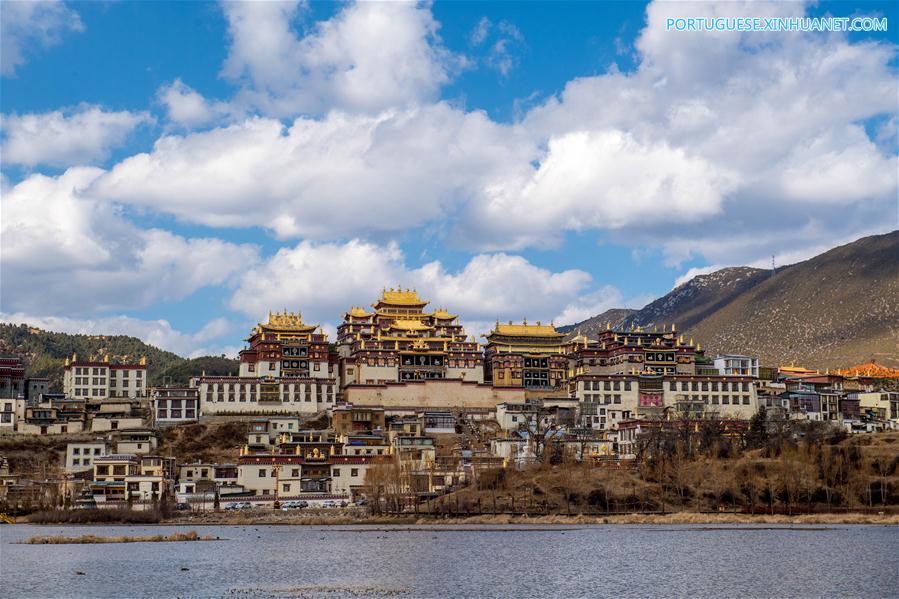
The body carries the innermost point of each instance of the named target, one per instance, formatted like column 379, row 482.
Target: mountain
column 45, row 353
column 599, row 322
column 834, row 310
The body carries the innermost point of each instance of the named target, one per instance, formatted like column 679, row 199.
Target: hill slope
column 45, row 353
column 834, row 310
column 599, row 322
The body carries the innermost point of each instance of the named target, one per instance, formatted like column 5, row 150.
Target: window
column 285, row 488
column 335, row 472
column 96, row 451
column 354, row 472
column 262, row 473
column 295, row 472
column 76, row 461
column 76, row 451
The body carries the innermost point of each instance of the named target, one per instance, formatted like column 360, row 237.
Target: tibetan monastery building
column 636, row 351
column 286, row 368
column 400, row 341
column 533, row 356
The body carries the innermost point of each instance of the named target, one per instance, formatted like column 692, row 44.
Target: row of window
column 684, row 386
column 598, row 397
column 85, row 392
column 87, row 450
column 607, row 385
column 295, row 473
column 711, row 386
column 101, row 371
column 175, row 414
column 287, row 396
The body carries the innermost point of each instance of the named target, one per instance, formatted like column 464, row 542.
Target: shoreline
column 678, row 518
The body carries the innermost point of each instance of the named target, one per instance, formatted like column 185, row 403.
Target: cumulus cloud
column 66, row 252
column 343, row 175
column 712, row 132
column 319, row 278
column 81, row 136
column 369, row 57
column 159, row 333
column 599, row 180
column 28, row 26
column 186, row 107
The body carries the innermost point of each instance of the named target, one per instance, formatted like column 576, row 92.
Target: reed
column 190, row 535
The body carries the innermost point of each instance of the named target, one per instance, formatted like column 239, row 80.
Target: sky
column 175, row 170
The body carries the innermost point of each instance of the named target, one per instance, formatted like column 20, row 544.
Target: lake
column 458, row 561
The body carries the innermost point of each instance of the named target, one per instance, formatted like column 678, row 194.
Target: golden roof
column 526, row 330
column 401, row 297
column 409, row 325
column 442, row 314
column 286, row 321
column 358, row 311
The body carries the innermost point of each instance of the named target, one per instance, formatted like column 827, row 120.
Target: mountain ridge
column 836, row 309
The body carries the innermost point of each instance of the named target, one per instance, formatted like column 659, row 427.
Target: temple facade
column 636, row 351
column 399, row 340
column 101, row 379
column 533, row 356
column 286, row 368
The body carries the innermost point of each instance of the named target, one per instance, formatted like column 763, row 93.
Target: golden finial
column 673, row 328
column 609, row 326
column 143, row 361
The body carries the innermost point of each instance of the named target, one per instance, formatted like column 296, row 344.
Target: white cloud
column 27, row 26
column 65, row 252
column 712, row 132
column 323, row 279
column 64, row 138
column 185, row 106
column 370, row 56
column 590, row 305
column 159, row 333
column 599, row 180
column 480, row 32
column 343, row 175
column 505, row 47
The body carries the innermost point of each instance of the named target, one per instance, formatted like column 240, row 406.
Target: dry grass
column 190, row 535
column 678, row 518
column 96, row 516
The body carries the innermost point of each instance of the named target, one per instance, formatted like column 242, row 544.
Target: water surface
column 458, row 561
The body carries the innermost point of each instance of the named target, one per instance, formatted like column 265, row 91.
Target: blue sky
column 174, row 169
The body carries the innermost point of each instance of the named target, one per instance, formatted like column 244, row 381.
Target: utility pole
column 773, row 268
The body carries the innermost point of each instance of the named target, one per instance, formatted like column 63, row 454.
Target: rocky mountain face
column 599, row 322
column 837, row 309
